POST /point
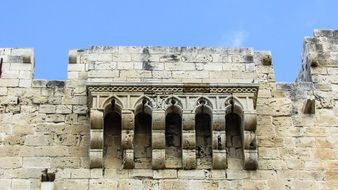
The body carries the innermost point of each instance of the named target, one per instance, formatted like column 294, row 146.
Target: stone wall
column 47, row 124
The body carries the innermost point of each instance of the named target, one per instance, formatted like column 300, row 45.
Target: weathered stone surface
column 65, row 126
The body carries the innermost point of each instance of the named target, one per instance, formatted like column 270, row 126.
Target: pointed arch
column 142, row 134
column 234, row 127
column 112, row 153
column 233, row 105
column 173, row 132
column 203, row 105
column 203, row 120
column 112, row 103
column 144, row 104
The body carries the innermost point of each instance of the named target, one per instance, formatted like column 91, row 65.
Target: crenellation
column 171, row 118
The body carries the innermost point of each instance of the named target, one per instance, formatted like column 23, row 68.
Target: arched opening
column 142, row 140
column 173, row 140
column 234, row 141
column 203, row 140
column 112, row 140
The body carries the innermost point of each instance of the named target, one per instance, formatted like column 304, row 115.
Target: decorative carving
column 157, row 100
column 179, row 88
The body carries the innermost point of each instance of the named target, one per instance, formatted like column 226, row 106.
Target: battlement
column 17, row 69
column 171, row 118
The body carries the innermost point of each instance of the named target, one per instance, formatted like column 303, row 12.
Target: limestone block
column 213, row 67
column 125, row 65
column 36, row 162
column 249, row 140
column 103, row 184
column 10, row 162
column 219, row 159
column 20, row 67
column 25, row 83
column 71, row 184
column 40, row 99
column 130, row 184
column 96, row 138
column 127, row 139
column 218, row 140
column 158, row 158
column 9, row 100
column 188, row 140
column 96, row 119
column 128, row 159
column 64, row 109
column 194, row 174
column 173, row 184
column 76, row 67
column 80, row 173
column 8, row 74
column 165, row 174
column 96, row 158
column 158, row 139
column 158, row 120
column 3, row 91
column 21, row 184
column 47, row 108
column 236, row 174
column 188, row 121
column 189, row 159
column 250, row 159
column 65, row 162
column 5, row 183
column 127, row 120
column 80, row 109
column 103, row 73
column 250, row 121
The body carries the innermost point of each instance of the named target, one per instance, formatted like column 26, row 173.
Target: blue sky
column 53, row 27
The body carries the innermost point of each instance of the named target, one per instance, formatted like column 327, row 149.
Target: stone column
column 96, row 139
column 158, row 139
column 218, row 141
column 249, row 141
column 188, row 141
column 127, row 138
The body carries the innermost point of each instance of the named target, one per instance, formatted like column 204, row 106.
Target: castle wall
column 46, row 124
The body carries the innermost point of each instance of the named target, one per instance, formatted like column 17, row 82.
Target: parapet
column 17, row 68
column 320, row 55
column 168, row 64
